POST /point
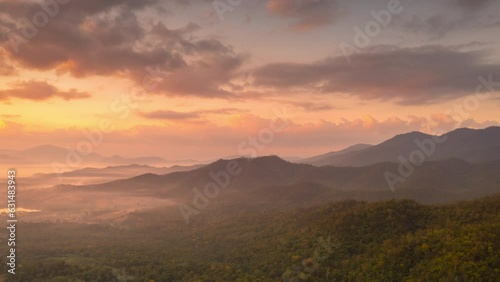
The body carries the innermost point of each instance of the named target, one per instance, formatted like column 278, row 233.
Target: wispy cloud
column 38, row 91
column 184, row 116
column 408, row 76
column 456, row 15
column 306, row 15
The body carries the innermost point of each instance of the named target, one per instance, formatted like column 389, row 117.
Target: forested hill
column 344, row 241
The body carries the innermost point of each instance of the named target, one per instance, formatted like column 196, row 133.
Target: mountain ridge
column 434, row 181
column 472, row 145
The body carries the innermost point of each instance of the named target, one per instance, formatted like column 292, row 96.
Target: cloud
column 409, row 76
column 471, row 4
column 205, row 78
column 109, row 38
column 5, row 68
column 84, row 38
column 38, row 91
column 435, row 26
column 170, row 115
column 439, row 26
column 187, row 116
column 456, row 15
column 309, row 106
column 474, row 124
column 306, row 15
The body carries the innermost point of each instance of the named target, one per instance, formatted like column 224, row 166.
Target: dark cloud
column 407, row 75
column 184, row 116
column 215, row 66
column 86, row 38
column 472, row 14
column 39, row 90
column 107, row 38
column 170, row 115
column 306, row 14
column 204, row 77
column 310, row 106
column 471, row 4
column 435, row 26
column 439, row 26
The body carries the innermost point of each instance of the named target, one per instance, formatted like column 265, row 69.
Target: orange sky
column 176, row 81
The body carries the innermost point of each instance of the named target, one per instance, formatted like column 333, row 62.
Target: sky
column 202, row 79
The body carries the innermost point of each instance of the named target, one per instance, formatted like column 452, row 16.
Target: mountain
column 324, row 159
column 90, row 175
column 48, row 154
column 263, row 178
column 272, row 183
column 472, row 145
column 263, row 184
column 121, row 171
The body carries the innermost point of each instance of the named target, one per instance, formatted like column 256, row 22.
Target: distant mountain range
column 472, row 145
column 325, row 159
column 90, row 175
column 269, row 181
column 48, row 154
column 465, row 166
column 119, row 171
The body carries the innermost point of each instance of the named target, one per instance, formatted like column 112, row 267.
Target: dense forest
column 398, row 240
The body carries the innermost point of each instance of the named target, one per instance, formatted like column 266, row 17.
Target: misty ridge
column 463, row 165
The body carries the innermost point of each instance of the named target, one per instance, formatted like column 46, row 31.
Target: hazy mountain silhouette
column 90, row 175
column 325, row 158
column 48, row 154
column 472, row 145
column 116, row 171
column 465, row 166
column 266, row 178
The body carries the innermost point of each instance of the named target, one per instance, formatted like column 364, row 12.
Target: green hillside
column 345, row 241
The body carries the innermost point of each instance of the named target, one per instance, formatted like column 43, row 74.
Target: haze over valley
column 249, row 141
